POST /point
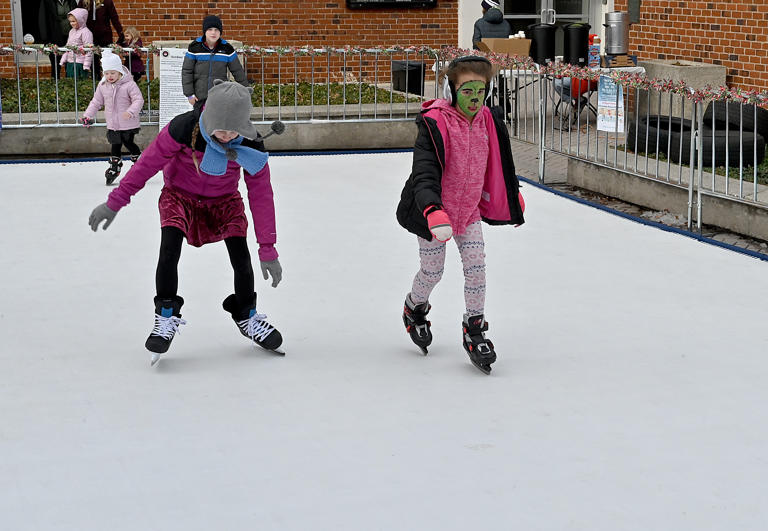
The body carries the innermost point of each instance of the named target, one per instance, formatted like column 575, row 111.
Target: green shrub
column 300, row 94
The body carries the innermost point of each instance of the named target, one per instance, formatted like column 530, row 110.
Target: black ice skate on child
column 254, row 325
column 479, row 349
column 115, row 165
column 167, row 322
column 416, row 324
column 134, row 158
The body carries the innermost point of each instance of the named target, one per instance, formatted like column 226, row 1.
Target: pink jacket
column 180, row 173
column 466, row 160
column 78, row 37
column 121, row 96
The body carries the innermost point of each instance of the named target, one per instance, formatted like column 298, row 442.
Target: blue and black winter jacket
column 203, row 65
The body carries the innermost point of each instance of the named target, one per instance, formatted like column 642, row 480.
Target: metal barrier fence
column 293, row 84
column 711, row 141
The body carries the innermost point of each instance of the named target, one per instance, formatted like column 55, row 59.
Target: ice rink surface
column 627, row 396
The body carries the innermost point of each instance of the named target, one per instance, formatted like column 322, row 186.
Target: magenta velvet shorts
column 203, row 219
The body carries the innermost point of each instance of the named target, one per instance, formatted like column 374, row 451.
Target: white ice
column 628, row 393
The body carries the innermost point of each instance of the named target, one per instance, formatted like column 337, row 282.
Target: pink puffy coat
column 78, row 37
column 121, row 96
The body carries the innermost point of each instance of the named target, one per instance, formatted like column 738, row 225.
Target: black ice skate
column 134, row 158
column 167, row 322
column 416, row 324
column 254, row 325
column 479, row 349
column 115, row 165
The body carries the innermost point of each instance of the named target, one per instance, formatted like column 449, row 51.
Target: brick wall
column 284, row 23
column 733, row 34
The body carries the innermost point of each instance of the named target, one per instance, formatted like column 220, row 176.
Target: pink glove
column 87, row 122
column 439, row 223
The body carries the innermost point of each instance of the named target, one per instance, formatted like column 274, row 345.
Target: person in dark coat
column 492, row 25
column 54, row 27
column 102, row 17
column 207, row 59
column 463, row 173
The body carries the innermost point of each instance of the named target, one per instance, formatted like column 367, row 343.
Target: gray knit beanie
column 228, row 108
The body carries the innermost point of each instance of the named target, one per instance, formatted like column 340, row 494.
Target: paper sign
column 172, row 99
column 610, row 117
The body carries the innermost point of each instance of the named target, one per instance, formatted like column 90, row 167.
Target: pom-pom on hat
column 228, row 108
column 488, row 4
column 212, row 21
column 111, row 61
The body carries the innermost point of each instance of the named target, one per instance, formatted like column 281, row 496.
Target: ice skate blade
column 276, row 351
column 155, row 358
column 424, row 350
column 485, row 369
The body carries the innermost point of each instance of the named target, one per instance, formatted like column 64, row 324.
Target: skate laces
column 256, row 327
column 166, row 327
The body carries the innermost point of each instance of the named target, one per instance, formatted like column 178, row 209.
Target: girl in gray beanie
column 201, row 154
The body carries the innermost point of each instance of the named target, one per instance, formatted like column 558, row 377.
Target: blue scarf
column 217, row 155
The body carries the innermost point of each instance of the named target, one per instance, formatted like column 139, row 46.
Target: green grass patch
column 287, row 95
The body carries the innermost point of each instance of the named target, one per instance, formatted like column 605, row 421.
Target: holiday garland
column 555, row 70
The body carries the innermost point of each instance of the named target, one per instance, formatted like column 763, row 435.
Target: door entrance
column 522, row 13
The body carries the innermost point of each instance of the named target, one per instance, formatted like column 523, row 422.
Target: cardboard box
column 521, row 47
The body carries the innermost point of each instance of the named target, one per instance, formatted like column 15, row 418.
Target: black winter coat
column 491, row 26
column 424, row 188
column 202, row 66
column 101, row 26
column 53, row 23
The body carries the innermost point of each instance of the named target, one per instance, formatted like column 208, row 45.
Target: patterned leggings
column 472, row 250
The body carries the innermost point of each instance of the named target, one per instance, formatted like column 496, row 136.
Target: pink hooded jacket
column 121, row 96
column 78, row 37
column 466, row 159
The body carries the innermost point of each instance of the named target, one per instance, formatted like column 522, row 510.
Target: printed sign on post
column 172, row 99
column 610, row 116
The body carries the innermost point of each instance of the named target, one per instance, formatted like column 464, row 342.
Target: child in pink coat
column 79, row 35
column 203, row 155
column 121, row 98
column 463, row 173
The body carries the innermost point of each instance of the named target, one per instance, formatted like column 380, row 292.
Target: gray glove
column 273, row 268
column 99, row 214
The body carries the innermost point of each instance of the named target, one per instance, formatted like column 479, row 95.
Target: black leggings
column 126, row 139
column 167, row 276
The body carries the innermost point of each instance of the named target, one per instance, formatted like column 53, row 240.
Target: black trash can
column 415, row 76
column 542, row 42
column 576, row 43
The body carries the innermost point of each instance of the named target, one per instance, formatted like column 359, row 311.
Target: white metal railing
column 711, row 141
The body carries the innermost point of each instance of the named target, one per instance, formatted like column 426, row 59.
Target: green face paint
column 470, row 97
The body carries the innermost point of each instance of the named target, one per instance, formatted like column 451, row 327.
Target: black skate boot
column 416, row 324
column 115, row 165
column 134, row 158
column 480, row 349
column 254, row 325
column 167, row 322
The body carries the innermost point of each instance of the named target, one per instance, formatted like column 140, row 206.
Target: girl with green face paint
column 470, row 97
column 462, row 174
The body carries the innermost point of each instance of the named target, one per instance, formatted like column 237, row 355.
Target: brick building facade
column 733, row 34
column 283, row 23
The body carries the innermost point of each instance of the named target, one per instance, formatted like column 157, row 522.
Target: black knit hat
column 212, row 21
